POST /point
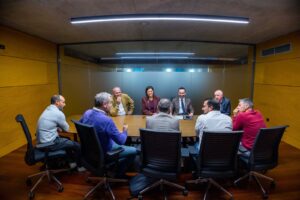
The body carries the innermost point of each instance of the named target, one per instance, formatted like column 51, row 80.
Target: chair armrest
column 115, row 152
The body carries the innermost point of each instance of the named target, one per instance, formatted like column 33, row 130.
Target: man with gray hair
column 53, row 121
column 107, row 132
column 163, row 121
column 225, row 106
column 250, row 121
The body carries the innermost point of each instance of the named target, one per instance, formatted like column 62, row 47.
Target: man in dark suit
column 163, row 121
column 182, row 105
column 225, row 106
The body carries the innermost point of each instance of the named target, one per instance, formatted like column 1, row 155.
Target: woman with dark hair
column 149, row 102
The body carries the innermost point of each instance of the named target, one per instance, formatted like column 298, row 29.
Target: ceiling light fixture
column 145, row 58
column 155, row 53
column 159, row 17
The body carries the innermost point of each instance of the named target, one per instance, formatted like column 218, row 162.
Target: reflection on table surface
column 135, row 122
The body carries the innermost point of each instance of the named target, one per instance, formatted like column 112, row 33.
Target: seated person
column 211, row 120
column 225, row 106
column 182, row 105
column 108, row 134
column 52, row 120
column 149, row 102
column 122, row 104
column 163, row 121
column 250, row 121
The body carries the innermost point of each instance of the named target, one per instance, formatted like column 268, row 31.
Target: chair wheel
column 31, row 195
column 273, row 184
column 60, row 189
column 265, row 196
column 185, row 192
column 28, row 182
column 140, row 197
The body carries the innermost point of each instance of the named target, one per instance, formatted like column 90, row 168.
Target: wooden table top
column 135, row 122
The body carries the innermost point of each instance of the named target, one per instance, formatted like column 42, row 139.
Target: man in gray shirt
column 163, row 121
column 50, row 122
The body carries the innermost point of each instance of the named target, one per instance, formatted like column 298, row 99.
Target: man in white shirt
column 212, row 119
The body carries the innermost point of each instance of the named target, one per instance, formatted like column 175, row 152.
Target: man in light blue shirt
column 50, row 122
column 211, row 120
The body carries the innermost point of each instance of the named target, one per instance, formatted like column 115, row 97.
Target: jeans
column 126, row 158
column 72, row 148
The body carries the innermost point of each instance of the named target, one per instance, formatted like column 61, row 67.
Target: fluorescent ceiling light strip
column 154, row 57
column 156, row 53
column 158, row 17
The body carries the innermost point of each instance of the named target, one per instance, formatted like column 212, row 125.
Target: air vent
column 276, row 50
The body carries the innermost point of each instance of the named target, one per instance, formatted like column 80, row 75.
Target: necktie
column 182, row 106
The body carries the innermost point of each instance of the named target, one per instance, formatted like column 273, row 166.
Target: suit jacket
column 188, row 106
column 145, row 105
column 163, row 122
column 225, row 106
column 127, row 102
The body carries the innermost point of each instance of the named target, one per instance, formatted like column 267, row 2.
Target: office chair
column 217, row 158
column 161, row 158
column 40, row 153
column 263, row 156
column 94, row 159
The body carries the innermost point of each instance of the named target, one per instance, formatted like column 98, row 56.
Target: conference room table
column 135, row 122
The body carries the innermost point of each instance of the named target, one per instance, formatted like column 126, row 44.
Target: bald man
column 225, row 106
column 122, row 103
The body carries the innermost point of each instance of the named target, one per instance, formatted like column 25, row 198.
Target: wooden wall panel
column 277, row 86
column 28, row 79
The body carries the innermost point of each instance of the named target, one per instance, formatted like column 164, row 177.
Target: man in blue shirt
column 108, row 134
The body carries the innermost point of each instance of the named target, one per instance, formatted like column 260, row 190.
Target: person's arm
column 114, row 109
column 116, row 136
column 199, row 126
column 191, row 109
column 173, row 106
column 145, row 110
column 237, row 122
column 130, row 105
column 62, row 123
column 227, row 109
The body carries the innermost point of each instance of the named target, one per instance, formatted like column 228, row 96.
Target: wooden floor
column 13, row 173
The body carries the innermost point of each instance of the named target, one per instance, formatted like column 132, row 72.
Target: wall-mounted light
column 160, row 17
column 169, row 70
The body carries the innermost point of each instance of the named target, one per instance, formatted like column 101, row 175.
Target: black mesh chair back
column 161, row 158
column 20, row 119
column 94, row 159
column 264, row 154
column 161, row 150
column 217, row 158
column 218, row 154
column 91, row 150
column 40, row 153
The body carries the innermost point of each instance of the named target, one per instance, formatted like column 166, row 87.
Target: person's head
column 181, row 92
column 149, row 91
column 59, row 101
column 245, row 104
column 218, row 95
column 164, row 105
column 103, row 100
column 210, row 104
column 117, row 92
